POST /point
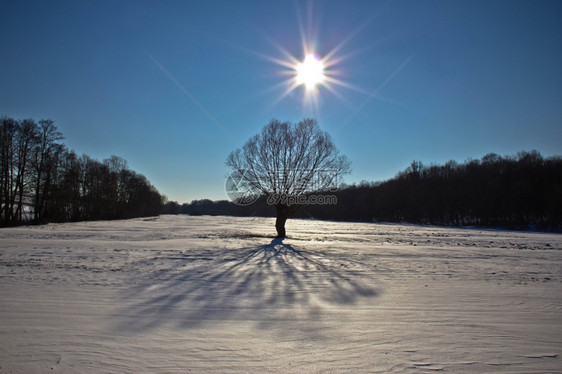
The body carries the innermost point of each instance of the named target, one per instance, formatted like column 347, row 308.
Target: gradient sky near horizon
column 174, row 86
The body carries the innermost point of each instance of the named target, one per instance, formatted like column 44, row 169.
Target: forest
column 523, row 191
column 42, row 181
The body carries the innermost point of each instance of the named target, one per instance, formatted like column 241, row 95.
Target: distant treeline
column 519, row 192
column 42, row 181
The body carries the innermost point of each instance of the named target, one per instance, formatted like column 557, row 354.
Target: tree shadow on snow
column 268, row 284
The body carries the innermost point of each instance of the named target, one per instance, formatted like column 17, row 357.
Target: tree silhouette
column 285, row 161
column 47, row 153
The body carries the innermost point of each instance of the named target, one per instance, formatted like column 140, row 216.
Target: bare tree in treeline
column 40, row 180
column 46, row 155
column 287, row 160
column 18, row 141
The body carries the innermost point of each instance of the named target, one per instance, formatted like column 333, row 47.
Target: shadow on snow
column 268, row 284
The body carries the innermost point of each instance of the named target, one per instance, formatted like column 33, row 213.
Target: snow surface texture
column 184, row 294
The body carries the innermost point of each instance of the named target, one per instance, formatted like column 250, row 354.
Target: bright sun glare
column 315, row 74
column 310, row 72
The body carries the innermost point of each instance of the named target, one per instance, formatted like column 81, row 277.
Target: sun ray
column 331, row 81
column 343, row 43
column 375, row 92
column 334, row 92
column 290, row 88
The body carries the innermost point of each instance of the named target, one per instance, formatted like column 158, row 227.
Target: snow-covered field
column 185, row 294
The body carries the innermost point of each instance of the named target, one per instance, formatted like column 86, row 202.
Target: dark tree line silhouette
column 42, row 181
column 518, row 192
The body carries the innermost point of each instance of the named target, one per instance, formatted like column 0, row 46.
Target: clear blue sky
column 422, row 80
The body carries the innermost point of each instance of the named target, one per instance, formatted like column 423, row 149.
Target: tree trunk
column 280, row 224
column 283, row 212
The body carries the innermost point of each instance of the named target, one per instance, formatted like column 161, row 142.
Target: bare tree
column 287, row 160
column 8, row 132
column 26, row 140
column 47, row 153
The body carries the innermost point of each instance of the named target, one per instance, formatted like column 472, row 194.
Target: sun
column 310, row 72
